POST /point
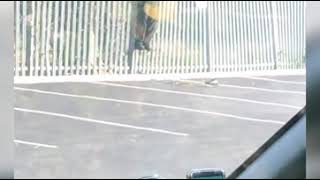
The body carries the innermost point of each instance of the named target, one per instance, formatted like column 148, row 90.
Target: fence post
column 274, row 17
column 208, row 37
column 132, row 37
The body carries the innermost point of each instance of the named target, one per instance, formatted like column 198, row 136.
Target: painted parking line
column 242, row 118
column 36, row 145
column 198, row 95
column 274, row 80
column 90, row 120
column 246, row 87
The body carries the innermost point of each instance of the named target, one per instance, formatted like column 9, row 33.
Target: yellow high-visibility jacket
column 152, row 9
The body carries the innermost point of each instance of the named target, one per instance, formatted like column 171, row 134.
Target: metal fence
column 91, row 38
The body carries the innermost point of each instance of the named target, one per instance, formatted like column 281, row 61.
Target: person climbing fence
column 147, row 21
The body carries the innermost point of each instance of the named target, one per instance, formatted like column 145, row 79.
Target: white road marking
column 36, row 145
column 264, row 89
column 155, row 105
column 247, row 87
column 198, row 95
column 100, row 122
column 148, row 77
column 274, row 80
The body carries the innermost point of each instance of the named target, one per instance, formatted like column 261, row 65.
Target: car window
column 126, row 89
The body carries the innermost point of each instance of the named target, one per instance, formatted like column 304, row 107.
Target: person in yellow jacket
column 146, row 23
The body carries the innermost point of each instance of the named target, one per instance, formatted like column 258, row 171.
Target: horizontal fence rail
column 91, row 38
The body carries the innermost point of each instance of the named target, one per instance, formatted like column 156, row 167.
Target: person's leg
column 150, row 31
column 140, row 30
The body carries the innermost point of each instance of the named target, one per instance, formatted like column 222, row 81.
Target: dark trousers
column 145, row 28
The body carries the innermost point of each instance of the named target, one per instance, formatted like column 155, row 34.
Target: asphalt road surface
column 135, row 129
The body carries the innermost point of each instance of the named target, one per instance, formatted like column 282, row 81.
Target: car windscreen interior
column 282, row 156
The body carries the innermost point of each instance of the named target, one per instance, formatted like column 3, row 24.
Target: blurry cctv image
column 152, row 89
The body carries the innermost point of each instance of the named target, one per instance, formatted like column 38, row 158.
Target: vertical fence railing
column 89, row 38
